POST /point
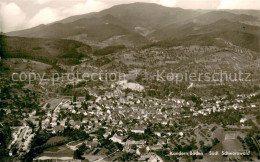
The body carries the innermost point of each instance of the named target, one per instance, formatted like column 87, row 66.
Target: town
column 140, row 124
column 99, row 81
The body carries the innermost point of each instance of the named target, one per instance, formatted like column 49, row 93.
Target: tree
column 74, row 98
column 148, row 131
column 84, row 106
column 2, row 113
column 5, row 137
column 215, row 141
column 134, row 147
column 83, row 147
column 213, row 129
column 186, row 148
column 77, row 154
column 31, row 125
column 87, row 97
column 101, row 132
column 250, row 143
column 205, row 149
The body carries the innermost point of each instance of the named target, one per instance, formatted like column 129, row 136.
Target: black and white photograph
column 129, row 80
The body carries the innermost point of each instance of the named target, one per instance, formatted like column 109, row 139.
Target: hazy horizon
column 19, row 15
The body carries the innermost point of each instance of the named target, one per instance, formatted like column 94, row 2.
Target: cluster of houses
column 115, row 109
column 221, row 104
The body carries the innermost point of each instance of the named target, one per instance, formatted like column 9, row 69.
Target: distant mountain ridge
column 137, row 24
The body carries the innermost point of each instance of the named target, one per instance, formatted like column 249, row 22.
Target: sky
column 22, row 14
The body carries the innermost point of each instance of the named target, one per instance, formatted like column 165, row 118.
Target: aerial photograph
column 129, row 80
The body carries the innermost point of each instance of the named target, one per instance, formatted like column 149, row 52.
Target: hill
column 214, row 16
column 48, row 51
column 142, row 14
column 246, row 36
column 242, row 39
column 90, row 29
column 255, row 13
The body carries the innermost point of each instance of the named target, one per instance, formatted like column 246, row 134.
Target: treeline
column 251, row 143
column 242, row 39
column 108, row 50
column 203, row 40
column 5, row 138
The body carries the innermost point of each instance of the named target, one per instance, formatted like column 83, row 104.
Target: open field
column 56, row 139
column 54, row 102
column 62, row 151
